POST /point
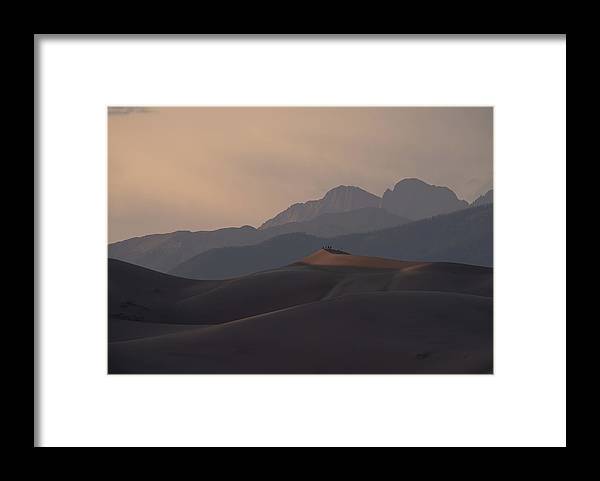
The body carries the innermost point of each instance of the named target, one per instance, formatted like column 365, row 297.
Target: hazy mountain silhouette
column 341, row 199
column 410, row 199
column 229, row 262
column 465, row 236
column 163, row 252
column 325, row 313
column 333, row 224
column 486, row 198
column 415, row 199
column 343, row 210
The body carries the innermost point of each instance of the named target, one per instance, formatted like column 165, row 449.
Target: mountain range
column 163, row 252
column 465, row 236
column 343, row 211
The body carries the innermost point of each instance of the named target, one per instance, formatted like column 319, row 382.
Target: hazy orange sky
column 199, row 168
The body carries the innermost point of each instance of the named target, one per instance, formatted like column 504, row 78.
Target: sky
column 200, row 168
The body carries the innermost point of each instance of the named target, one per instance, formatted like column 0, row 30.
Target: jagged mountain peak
column 414, row 199
column 487, row 198
column 342, row 198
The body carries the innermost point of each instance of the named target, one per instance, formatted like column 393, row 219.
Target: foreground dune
column 328, row 313
column 383, row 332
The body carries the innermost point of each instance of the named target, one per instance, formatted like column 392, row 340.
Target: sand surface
column 325, row 258
column 328, row 313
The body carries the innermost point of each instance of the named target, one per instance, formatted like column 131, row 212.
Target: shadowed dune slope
column 331, row 312
column 139, row 296
column 125, row 330
column 378, row 332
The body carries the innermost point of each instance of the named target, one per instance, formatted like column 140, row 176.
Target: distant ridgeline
column 414, row 221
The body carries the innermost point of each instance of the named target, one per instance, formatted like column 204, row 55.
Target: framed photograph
column 235, row 276
column 300, row 241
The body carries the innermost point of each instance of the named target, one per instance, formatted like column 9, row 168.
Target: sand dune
column 329, row 313
column 325, row 257
column 383, row 332
column 125, row 330
column 139, row 294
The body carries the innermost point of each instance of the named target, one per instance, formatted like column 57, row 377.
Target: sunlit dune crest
column 331, row 257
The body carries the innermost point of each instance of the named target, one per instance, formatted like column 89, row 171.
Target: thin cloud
column 128, row 110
